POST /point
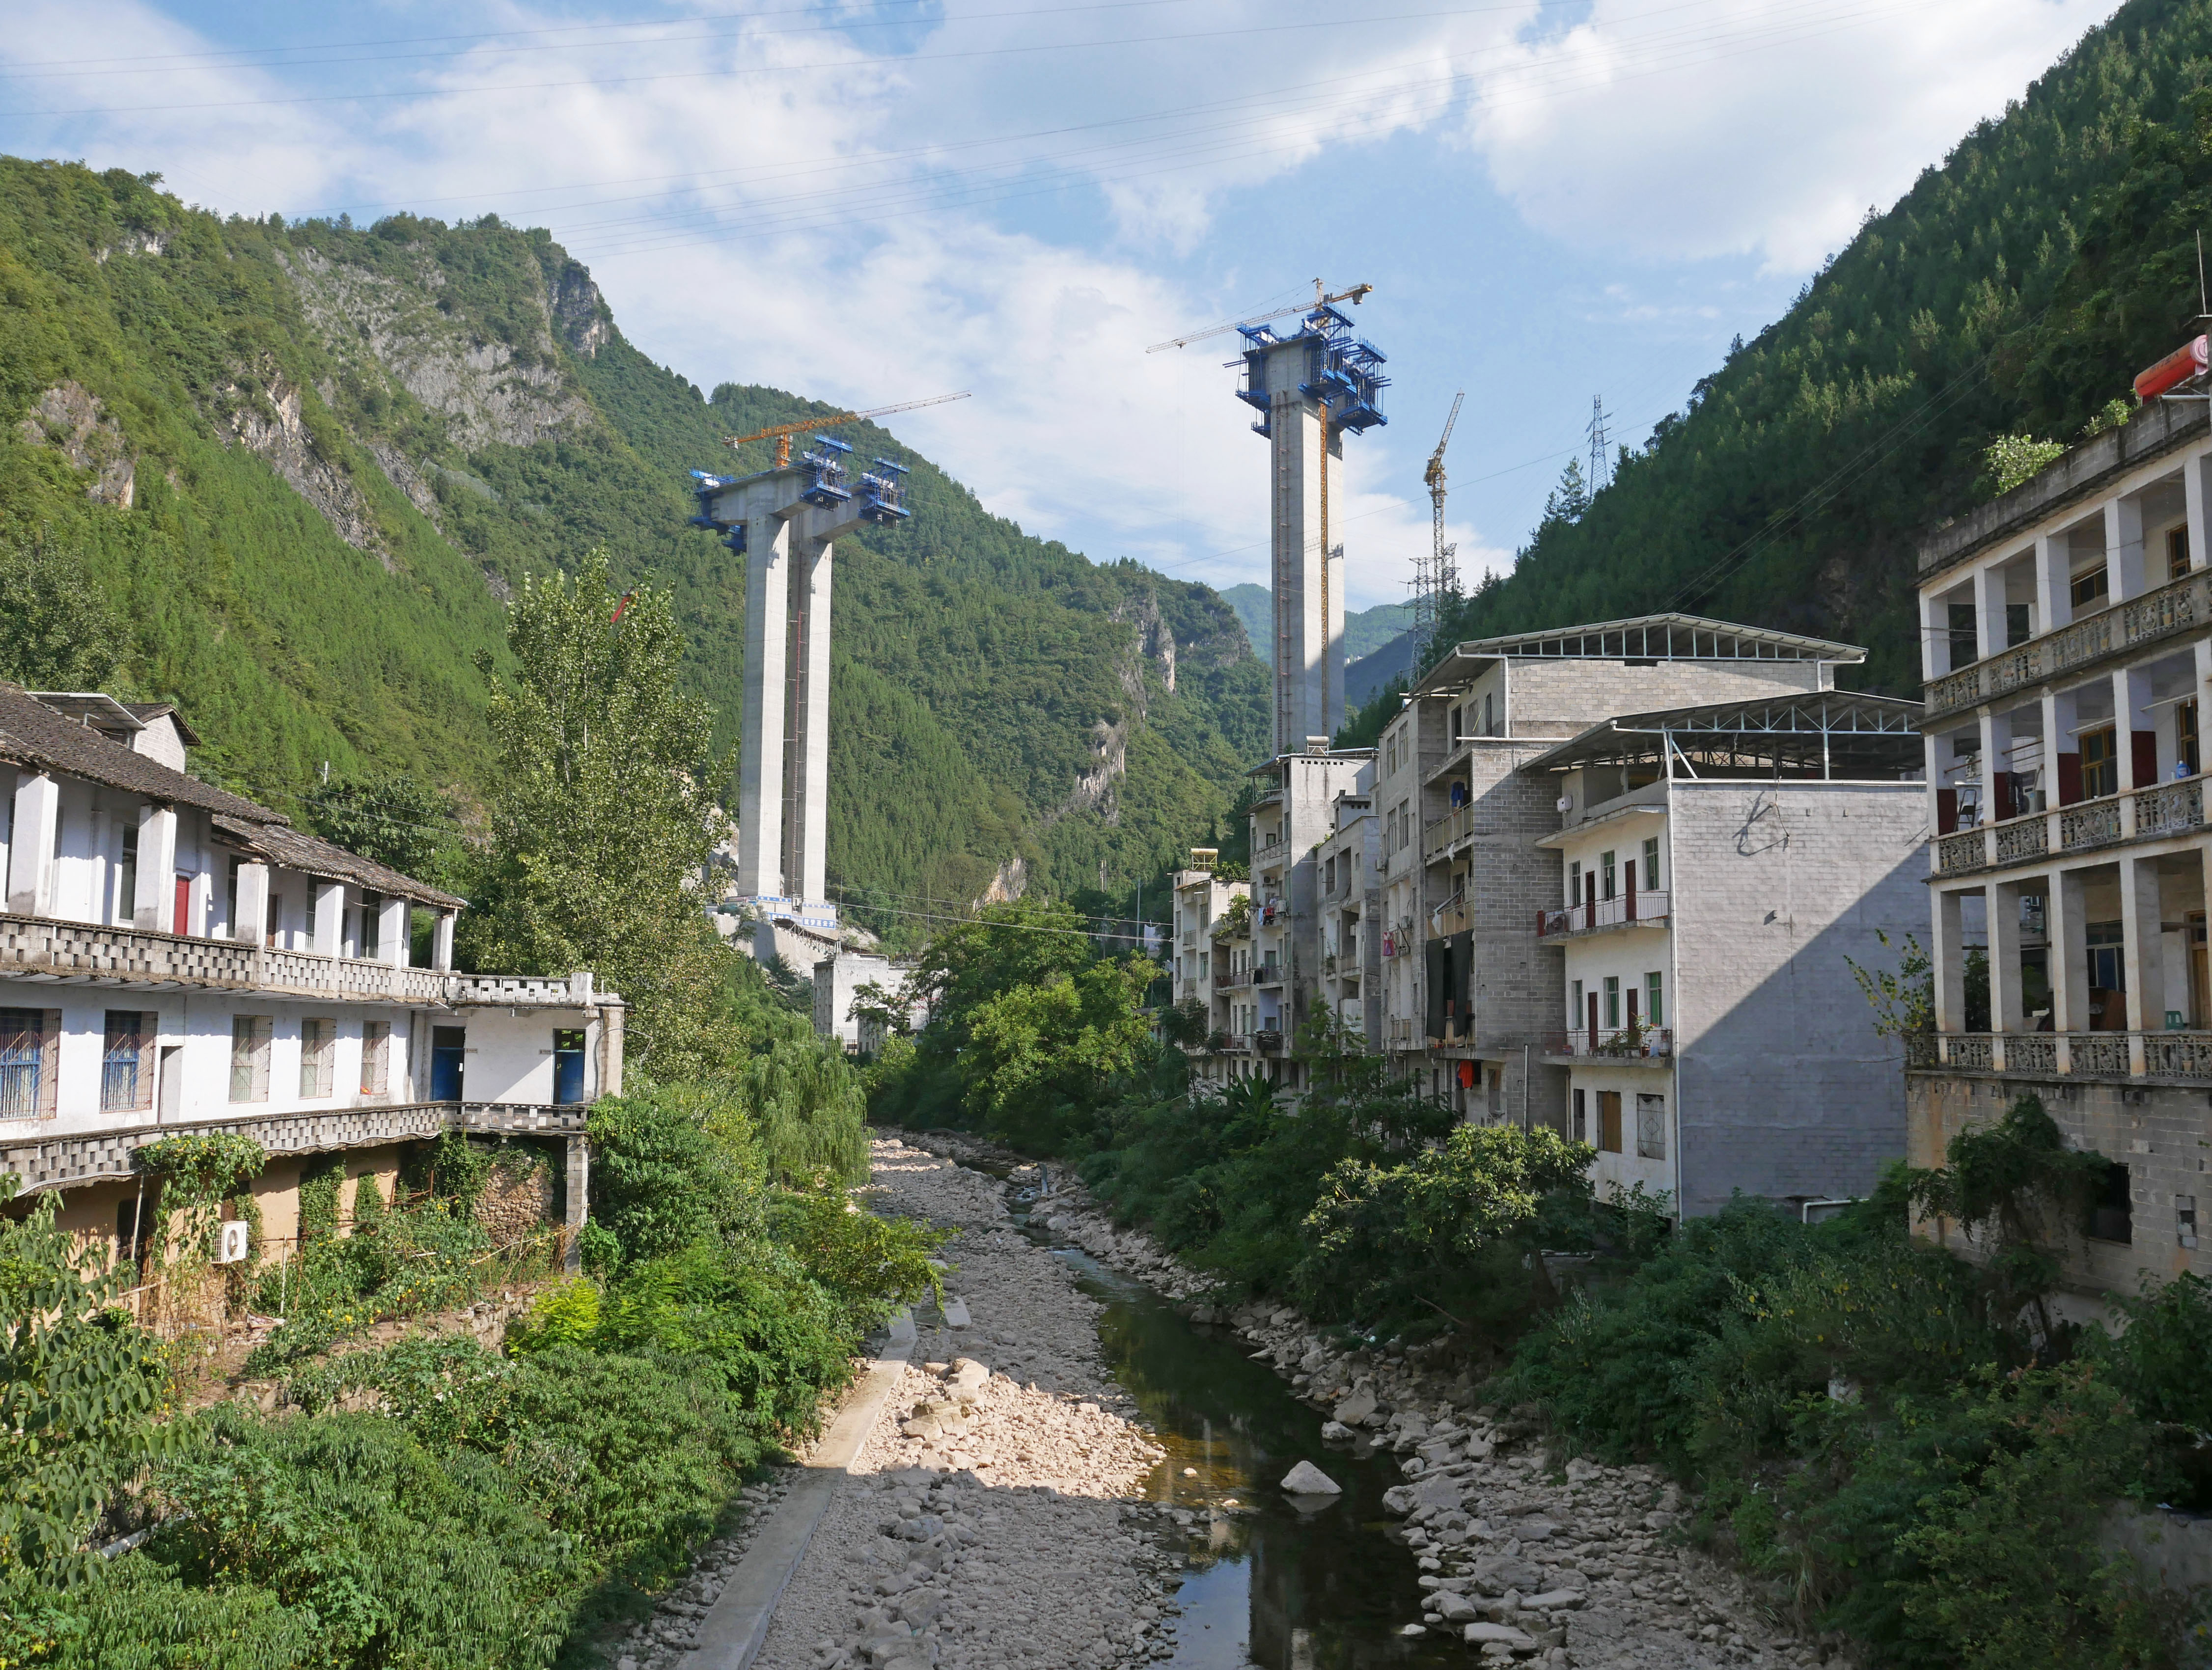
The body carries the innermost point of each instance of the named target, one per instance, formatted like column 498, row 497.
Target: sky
column 1557, row 202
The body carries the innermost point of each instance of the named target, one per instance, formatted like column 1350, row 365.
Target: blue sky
column 876, row 203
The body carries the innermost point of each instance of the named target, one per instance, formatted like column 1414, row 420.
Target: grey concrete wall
column 1784, row 1088
column 1563, row 697
column 2162, row 1132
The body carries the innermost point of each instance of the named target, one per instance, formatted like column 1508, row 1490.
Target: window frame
column 319, row 1050
column 250, row 1038
column 375, row 1058
column 143, row 1030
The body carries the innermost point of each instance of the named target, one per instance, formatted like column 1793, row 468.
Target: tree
column 1025, row 942
column 1042, row 1058
column 1571, row 498
column 58, row 632
column 601, row 813
column 388, row 817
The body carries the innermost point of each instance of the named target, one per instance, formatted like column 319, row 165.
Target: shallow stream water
column 1270, row 1586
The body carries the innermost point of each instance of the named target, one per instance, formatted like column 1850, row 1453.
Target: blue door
column 568, row 1065
column 448, row 1062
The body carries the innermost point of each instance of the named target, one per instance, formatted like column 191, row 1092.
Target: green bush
column 660, row 1181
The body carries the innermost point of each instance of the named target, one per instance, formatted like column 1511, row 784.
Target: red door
column 182, row 921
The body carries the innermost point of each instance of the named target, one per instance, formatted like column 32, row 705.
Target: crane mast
column 1436, row 575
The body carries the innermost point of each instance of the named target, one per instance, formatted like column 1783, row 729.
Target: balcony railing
column 2173, row 609
column 1267, row 1041
column 1623, row 1043
column 2186, row 1056
column 1438, row 834
column 1268, row 974
column 1650, row 907
column 2165, row 808
column 1223, row 979
column 86, row 952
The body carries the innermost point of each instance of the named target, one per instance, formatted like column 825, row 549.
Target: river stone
column 1494, row 1573
column 1335, row 1432
column 1457, row 1608
column 1307, row 1480
column 1440, row 1492
column 1478, row 1635
column 1358, row 1409
column 968, row 1373
column 1554, row 1599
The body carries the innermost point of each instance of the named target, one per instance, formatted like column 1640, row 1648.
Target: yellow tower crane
column 783, row 433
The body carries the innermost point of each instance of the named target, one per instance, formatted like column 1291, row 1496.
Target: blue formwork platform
column 1341, row 371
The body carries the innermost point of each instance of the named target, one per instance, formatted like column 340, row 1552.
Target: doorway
column 448, row 1062
column 170, row 1085
column 1608, row 1121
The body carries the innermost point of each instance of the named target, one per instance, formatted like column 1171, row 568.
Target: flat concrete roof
column 1639, row 638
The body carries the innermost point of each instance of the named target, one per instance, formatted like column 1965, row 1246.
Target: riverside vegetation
column 1911, row 1446
column 429, row 1500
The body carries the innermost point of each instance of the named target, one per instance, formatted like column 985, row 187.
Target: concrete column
column 2065, row 921
column 576, row 1200
column 2130, row 713
column 153, row 909
column 2054, row 600
column 330, row 919
column 2194, row 492
column 809, row 875
column 1948, row 955
column 441, row 946
column 392, row 932
column 31, row 851
column 2143, row 949
column 251, row 926
column 2006, row 1011
column 1935, row 637
column 1989, row 609
column 610, row 1048
column 760, row 766
column 2124, row 547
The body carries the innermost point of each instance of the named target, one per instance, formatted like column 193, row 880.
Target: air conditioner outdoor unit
column 231, row 1247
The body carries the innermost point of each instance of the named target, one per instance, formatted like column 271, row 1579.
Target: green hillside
column 1365, row 630
column 2017, row 287
column 343, row 446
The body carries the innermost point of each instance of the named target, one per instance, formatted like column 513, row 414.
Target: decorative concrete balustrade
column 2186, row 1056
column 84, row 953
column 2180, row 607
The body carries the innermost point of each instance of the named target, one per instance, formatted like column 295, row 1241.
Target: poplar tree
column 603, row 814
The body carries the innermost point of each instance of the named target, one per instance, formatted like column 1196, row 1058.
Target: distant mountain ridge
column 1364, row 632
column 305, row 463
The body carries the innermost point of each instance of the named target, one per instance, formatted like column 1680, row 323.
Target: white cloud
column 1752, row 126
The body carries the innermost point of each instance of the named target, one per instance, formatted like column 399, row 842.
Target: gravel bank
column 1526, row 1558
column 663, row 1641
column 995, row 1518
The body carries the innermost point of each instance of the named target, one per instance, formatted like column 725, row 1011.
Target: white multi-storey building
column 175, row 959
column 2067, row 634
column 1718, row 871
column 1202, row 902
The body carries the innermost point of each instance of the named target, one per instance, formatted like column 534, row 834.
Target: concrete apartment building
column 1470, row 988
column 176, row 959
column 2067, row 635
column 1714, row 868
column 1348, row 867
column 1198, row 970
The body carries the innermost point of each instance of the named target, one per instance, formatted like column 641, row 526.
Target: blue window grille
column 22, row 1062
column 122, row 1061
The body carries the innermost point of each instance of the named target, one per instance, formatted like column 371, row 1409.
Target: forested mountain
column 292, row 471
column 2015, row 289
column 1365, row 630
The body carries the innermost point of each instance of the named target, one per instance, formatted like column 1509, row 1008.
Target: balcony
column 2172, row 611
column 1267, row 974
column 2182, row 1057
column 1267, row 1041
column 1649, row 908
column 2144, row 814
column 1440, row 835
column 85, row 953
column 1224, row 979
column 65, row 1160
column 1629, row 1046
column 1454, row 915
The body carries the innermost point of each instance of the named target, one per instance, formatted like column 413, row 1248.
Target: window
column 2101, row 763
column 127, row 887
column 1580, row 1128
column 1605, row 874
column 1489, row 713
column 249, row 1058
column 2187, row 763
column 1651, row 870
column 2184, row 1219
column 2107, row 967
column 1608, row 1120
column 126, row 1062
column 2020, row 624
column 1575, row 882
column 2176, row 551
column 315, row 893
column 372, row 923
column 276, row 922
column 1575, row 1006
column 319, row 1048
column 1613, row 1003
column 1655, row 1005
column 1965, row 646
column 2091, row 587
column 1651, row 1128
column 230, row 899
column 30, row 1039
column 2111, row 1208
column 376, row 1057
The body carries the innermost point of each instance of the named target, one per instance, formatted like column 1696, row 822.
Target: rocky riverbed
column 1525, row 1556
column 996, row 1515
